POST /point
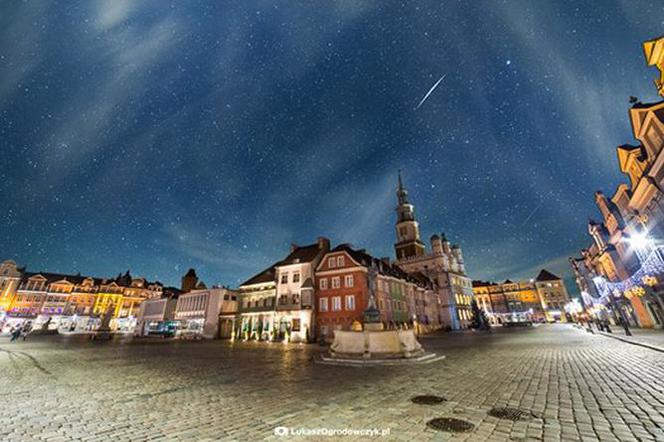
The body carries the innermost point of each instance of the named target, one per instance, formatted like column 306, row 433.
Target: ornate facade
column 540, row 299
column 70, row 302
column 624, row 262
column 444, row 265
column 278, row 303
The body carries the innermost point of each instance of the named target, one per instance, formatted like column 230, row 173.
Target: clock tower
column 408, row 242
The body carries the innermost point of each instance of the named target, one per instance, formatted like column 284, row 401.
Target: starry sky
column 158, row 136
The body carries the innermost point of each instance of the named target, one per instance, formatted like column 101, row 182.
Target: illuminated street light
column 641, row 243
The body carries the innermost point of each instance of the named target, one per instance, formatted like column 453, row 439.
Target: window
column 331, row 263
column 296, row 324
column 322, row 304
column 348, row 282
column 336, row 303
column 284, row 278
column 350, row 302
column 340, row 261
column 323, row 284
column 296, row 277
column 336, row 282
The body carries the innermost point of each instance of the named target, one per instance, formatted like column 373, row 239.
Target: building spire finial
column 400, row 182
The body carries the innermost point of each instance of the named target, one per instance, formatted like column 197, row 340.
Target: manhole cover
column 450, row 425
column 428, row 399
column 509, row 413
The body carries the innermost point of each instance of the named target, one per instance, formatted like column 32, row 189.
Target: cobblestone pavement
column 578, row 386
column 645, row 336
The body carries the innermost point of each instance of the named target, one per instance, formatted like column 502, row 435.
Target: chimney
column 386, row 260
column 293, row 247
column 323, row 243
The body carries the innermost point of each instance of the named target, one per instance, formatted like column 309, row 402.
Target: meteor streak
column 430, row 91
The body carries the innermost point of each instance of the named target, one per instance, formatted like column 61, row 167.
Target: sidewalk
column 649, row 338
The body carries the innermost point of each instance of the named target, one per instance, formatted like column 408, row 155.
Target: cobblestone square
column 572, row 385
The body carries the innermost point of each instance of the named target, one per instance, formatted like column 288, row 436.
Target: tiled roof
column 301, row 254
column 545, row 275
column 266, row 275
column 393, row 270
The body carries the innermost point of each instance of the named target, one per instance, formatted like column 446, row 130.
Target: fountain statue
column 104, row 330
column 372, row 345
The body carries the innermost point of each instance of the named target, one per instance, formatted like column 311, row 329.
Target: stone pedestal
column 376, row 344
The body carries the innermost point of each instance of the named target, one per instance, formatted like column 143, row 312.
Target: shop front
column 189, row 328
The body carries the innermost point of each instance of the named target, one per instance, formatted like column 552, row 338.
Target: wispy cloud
column 126, row 53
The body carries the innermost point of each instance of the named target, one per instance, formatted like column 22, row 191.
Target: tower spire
column 402, row 193
column 408, row 231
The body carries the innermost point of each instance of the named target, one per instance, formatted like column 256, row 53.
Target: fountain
column 372, row 345
column 104, row 330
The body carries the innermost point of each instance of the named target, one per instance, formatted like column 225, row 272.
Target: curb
column 427, row 358
column 633, row 342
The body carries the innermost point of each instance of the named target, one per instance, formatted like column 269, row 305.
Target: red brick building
column 341, row 289
column 342, row 293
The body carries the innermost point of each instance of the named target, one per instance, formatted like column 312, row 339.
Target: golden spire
column 654, row 52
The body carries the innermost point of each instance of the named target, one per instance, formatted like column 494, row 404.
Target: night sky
column 157, row 137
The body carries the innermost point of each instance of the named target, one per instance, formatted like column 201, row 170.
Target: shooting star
column 430, row 91
column 532, row 212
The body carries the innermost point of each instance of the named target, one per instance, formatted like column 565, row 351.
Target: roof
column 308, row 284
column 171, row 292
column 477, row 283
column 190, row 273
column 78, row 279
column 384, row 268
column 266, row 275
column 54, row 277
column 301, row 254
column 545, row 275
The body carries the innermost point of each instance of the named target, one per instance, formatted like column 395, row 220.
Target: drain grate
column 428, row 399
column 450, row 425
column 510, row 413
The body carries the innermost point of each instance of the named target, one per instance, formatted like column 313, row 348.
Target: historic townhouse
column 78, row 314
column 10, row 278
column 198, row 313
column 70, row 302
column 540, row 299
column 278, row 303
column 625, row 262
column 444, row 265
column 156, row 315
column 30, row 296
column 553, row 295
column 257, row 306
column 342, row 293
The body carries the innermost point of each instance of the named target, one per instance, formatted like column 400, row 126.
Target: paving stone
column 581, row 387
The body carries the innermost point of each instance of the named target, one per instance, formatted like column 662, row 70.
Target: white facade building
column 198, row 312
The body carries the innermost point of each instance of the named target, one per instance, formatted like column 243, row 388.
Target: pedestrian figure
column 27, row 328
column 16, row 332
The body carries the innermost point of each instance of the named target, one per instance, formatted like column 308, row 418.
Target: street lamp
column 641, row 243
